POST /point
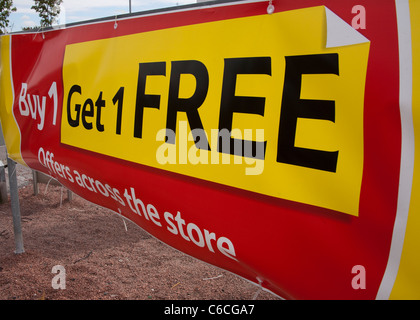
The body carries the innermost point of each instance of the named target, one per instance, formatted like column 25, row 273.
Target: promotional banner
column 273, row 139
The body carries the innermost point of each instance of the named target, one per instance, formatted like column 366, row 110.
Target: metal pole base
column 14, row 199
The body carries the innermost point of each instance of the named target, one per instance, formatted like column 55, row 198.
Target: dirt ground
column 104, row 257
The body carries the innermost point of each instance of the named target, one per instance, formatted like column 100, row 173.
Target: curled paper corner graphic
column 340, row 33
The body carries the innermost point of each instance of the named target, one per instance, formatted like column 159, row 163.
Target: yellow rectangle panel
column 253, row 76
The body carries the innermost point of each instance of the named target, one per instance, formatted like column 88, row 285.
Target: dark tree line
column 48, row 10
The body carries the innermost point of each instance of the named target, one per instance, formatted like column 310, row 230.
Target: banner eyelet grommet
column 270, row 8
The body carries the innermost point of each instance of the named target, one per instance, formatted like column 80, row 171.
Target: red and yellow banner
column 279, row 146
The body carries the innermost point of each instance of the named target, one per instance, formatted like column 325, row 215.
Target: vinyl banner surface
column 278, row 145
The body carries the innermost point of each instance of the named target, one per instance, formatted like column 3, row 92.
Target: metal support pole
column 129, row 5
column 70, row 195
column 35, row 182
column 14, row 198
column 3, row 185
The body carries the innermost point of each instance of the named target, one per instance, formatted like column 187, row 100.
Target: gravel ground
column 104, row 257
